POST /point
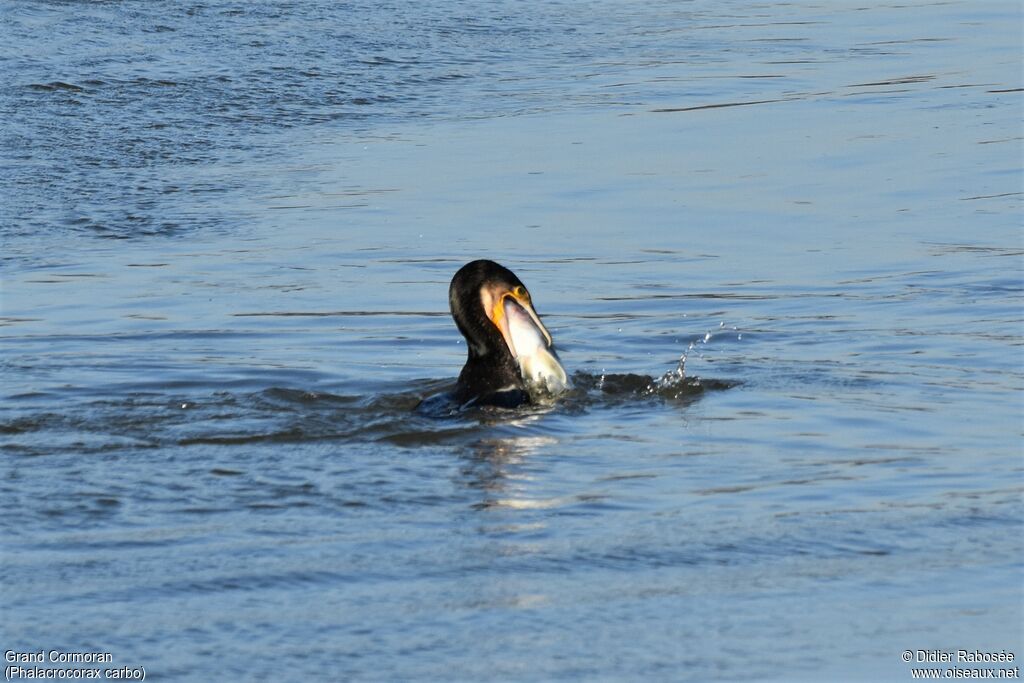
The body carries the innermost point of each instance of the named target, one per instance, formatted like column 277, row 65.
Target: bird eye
column 520, row 292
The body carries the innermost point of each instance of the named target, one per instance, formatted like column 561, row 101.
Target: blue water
column 227, row 235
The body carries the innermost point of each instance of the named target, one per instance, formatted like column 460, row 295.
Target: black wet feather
column 491, row 375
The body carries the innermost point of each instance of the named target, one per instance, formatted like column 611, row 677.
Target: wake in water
column 590, row 392
column 286, row 415
column 420, row 412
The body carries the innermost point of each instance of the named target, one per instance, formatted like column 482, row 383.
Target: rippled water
column 228, row 231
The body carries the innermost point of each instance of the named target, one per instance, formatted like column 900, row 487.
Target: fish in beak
column 528, row 340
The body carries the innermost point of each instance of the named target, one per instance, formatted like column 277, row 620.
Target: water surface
column 228, row 231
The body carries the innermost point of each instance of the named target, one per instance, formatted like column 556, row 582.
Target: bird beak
column 514, row 316
column 529, row 341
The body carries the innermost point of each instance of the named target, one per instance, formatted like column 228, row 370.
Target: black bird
column 511, row 357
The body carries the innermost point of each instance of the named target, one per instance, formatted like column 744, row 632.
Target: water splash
column 701, row 343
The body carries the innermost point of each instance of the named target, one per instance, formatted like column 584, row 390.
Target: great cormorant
column 511, row 357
